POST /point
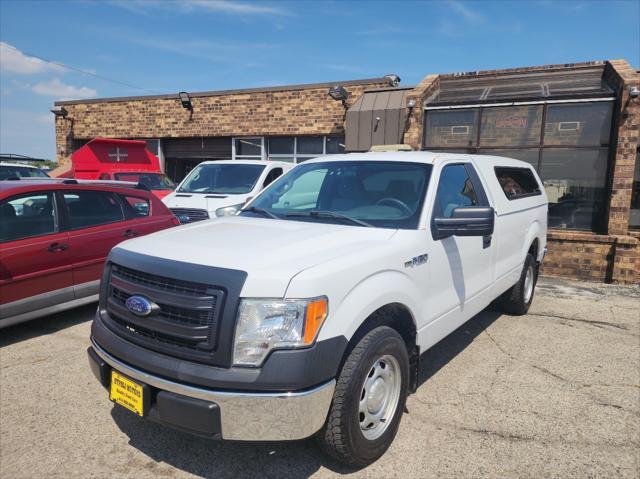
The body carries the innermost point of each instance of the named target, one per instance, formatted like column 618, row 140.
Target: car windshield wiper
column 330, row 214
column 262, row 211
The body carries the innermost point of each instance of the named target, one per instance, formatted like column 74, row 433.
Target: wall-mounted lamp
column 393, row 79
column 634, row 92
column 411, row 104
column 185, row 101
column 59, row 111
column 339, row 93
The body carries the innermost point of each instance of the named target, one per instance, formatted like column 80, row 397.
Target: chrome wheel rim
column 528, row 284
column 379, row 397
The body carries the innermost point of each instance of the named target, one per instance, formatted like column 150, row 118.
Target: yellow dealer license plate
column 127, row 393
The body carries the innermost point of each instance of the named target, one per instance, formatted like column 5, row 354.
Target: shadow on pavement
column 207, row 458
column 441, row 353
column 221, row 459
column 46, row 325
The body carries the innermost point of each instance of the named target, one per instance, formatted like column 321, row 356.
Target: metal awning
column 376, row 118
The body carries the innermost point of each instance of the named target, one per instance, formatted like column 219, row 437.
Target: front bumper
column 244, row 416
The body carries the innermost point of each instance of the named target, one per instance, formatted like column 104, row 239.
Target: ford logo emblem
column 141, row 306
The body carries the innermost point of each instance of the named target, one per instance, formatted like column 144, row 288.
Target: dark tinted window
column 27, row 215
column 511, row 126
column 517, row 182
column 17, row 171
column 454, row 190
column 587, row 124
column 281, row 145
column 451, row 128
column 135, row 207
column 272, row 175
column 310, row 145
column 91, row 208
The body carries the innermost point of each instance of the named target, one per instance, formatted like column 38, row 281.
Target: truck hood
column 270, row 251
column 210, row 202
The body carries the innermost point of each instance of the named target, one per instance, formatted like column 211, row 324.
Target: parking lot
column 555, row 393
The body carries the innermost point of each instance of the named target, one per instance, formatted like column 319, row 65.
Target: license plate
column 127, row 393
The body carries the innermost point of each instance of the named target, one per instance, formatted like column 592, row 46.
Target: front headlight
column 229, row 210
column 264, row 325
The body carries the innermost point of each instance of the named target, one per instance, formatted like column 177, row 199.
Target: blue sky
column 164, row 46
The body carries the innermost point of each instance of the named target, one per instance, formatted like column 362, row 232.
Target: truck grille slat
column 189, row 215
column 188, row 318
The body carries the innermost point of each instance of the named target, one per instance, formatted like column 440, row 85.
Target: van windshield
column 224, row 179
column 385, row 194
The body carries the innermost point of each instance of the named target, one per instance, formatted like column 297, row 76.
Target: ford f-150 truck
column 306, row 313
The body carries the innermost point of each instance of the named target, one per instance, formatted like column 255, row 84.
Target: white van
column 221, row 188
column 307, row 312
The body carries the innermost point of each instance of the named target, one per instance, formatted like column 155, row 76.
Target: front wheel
column 369, row 399
column 519, row 297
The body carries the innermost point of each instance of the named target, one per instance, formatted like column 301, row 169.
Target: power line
column 86, row 72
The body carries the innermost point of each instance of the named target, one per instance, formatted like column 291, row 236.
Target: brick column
column 64, row 140
column 413, row 133
column 622, row 76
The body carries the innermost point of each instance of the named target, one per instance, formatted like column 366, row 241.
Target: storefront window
column 511, row 126
column 334, row 144
column 248, row 148
column 634, row 217
column 580, row 124
column 575, row 181
column 530, row 155
column 451, row 128
column 297, row 149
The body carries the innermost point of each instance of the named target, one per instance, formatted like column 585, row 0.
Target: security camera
column 634, row 92
column 394, row 80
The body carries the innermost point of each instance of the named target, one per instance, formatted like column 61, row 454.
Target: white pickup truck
column 221, row 188
column 308, row 311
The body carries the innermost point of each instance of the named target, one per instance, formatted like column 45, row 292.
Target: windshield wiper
column 330, row 214
column 262, row 211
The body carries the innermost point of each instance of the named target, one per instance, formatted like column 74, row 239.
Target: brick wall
column 294, row 111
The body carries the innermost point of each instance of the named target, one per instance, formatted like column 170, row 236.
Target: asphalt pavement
column 555, row 393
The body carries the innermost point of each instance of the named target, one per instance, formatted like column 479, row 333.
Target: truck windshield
column 223, row 179
column 154, row 181
column 384, row 194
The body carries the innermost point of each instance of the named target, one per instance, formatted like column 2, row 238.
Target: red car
column 55, row 235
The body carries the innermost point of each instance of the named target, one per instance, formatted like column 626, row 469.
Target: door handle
column 130, row 233
column 53, row 247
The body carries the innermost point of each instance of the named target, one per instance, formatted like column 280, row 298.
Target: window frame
column 67, row 213
column 521, row 168
column 58, row 226
column 478, row 187
column 301, row 157
column 261, row 157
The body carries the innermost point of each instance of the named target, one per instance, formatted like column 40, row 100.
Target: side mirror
column 465, row 221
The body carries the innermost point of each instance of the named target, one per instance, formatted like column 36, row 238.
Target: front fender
column 367, row 296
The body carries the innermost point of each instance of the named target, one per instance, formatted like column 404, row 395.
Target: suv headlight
column 229, row 210
column 264, row 325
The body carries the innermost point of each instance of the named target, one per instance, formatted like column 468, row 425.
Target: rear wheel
column 369, row 399
column 517, row 300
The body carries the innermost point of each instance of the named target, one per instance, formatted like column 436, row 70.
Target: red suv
column 55, row 236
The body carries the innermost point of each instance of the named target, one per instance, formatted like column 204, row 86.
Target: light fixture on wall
column 339, row 93
column 634, row 92
column 411, row 104
column 59, row 111
column 185, row 101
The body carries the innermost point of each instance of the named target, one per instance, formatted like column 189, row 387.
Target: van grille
column 190, row 215
column 188, row 314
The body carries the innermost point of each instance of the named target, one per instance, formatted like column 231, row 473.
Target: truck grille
column 189, row 215
column 188, row 316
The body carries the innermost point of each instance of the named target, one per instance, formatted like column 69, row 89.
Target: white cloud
column 469, row 15
column 15, row 61
column 62, row 91
column 199, row 6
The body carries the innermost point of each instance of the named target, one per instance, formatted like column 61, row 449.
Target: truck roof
column 244, row 162
column 428, row 157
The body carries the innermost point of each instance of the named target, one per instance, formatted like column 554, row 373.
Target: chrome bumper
column 248, row 416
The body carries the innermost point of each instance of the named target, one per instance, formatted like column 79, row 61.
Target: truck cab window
column 456, row 189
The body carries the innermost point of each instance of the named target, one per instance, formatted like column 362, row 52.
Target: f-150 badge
column 416, row 261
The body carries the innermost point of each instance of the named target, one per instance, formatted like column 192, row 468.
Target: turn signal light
column 316, row 314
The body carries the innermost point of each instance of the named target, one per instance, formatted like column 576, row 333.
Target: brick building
column 578, row 124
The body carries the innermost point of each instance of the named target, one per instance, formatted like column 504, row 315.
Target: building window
column 249, row 148
column 567, row 144
column 452, row 128
column 634, row 216
column 297, row 149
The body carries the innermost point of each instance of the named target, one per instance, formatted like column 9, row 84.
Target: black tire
column 513, row 300
column 342, row 437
